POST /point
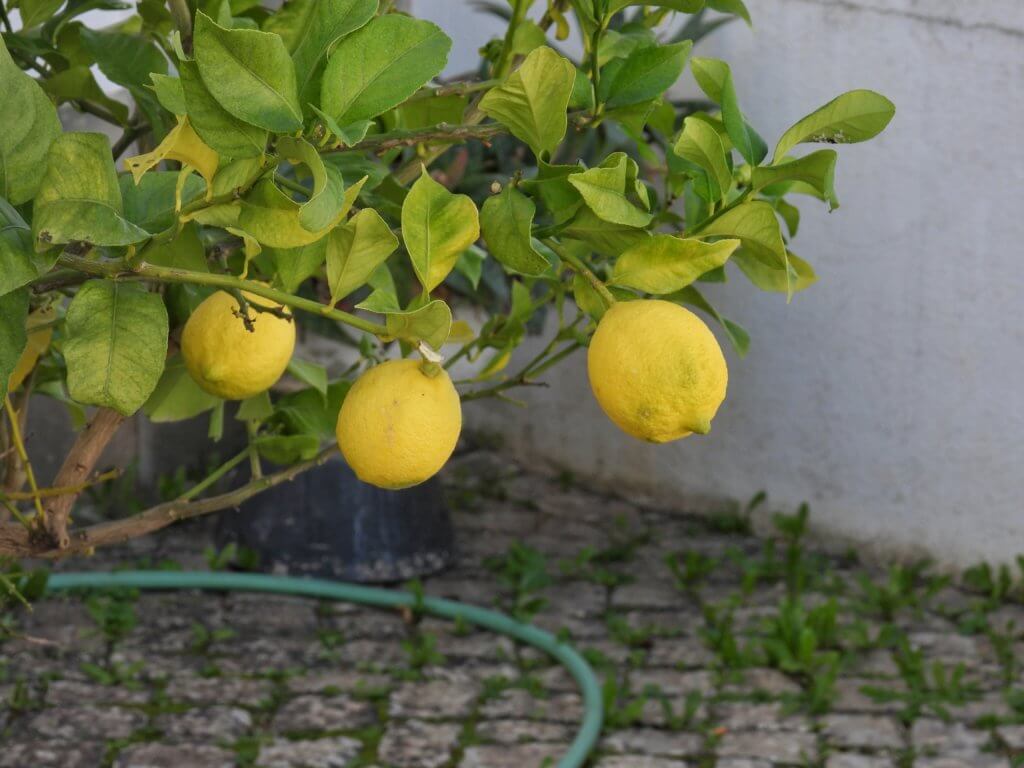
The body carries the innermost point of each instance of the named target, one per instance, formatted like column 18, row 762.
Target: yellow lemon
column 398, row 426
column 228, row 360
column 656, row 370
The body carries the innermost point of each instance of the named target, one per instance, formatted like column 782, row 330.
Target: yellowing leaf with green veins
column 249, row 73
column 79, row 198
column 437, row 226
column 355, row 249
column 817, row 170
column 28, row 126
column 533, row 100
column 115, row 344
column 380, row 66
column 272, row 218
column 506, row 220
column 430, row 323
column 757, row 227
column 604, row 190
column 699, row 143
column 797, row 275
column 181, row 144
column 224, row 132
column 850, row 118
column 665, row 263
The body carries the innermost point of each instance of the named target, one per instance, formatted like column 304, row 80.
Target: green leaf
column 587, row 298
column 170, row 93
column 506, row 220
column 19, row 263
column 715, row 79
column 796, row 276
column 789, row 213
column 384, row 297
column 436, row 226
column 220, row 129
column 533, row 100
column 684, row 6
column 645, row 74
column 734, row 7
column 177, row 396
column 255, row 408
column 77, row 83
column 850, row 118
column 355, row 250
column 35, row 12
column 116, row 344
column 605, row 189
column 309, row 373
column 249, row 73
column 602, row 236
column 185, row 251
column 380, row 66
column 310, row 28
column 471, row 264
column 757, row 227
column 306, row 411
column 79, row 198
column 665, row 263
column 551, row 185
column 287, row 449
column 295, row 265
column 272, row 217
column 699, row 143
column 430, row 323
column 738, row 336
column 816, row 170
column 13, row 315
column 28, row 126
column 328, row 196
column 150, row 203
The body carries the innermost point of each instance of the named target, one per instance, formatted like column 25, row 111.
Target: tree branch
column 77, row 467
column 15, row 541
column 434, row 134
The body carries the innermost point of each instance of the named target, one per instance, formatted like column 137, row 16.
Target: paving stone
column 858, row 760
column 673, row 682
column 334, row 752
column 978, row 761
column 509, row 731
column 271, row 614
column 1012, row 736
column 517, row 756
column 217, row 723
column 228, row 690
column 640, row 761
column 850, row 696
column 776, row 746
column 640, row 594
column 418, row 744
column 653, row 741
column 761, row 680
column 348, row 681
column 521, row 705
column 862, row 732
column 741, row 762
column 746, row 716
column 86, row 722
column 47, row 754
column 680, row 653
column 64, row 693
column 932, row 736
column 446, row 698
column 305, row 714
column 155, row 755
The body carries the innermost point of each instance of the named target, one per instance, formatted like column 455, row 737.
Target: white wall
column 891, row 395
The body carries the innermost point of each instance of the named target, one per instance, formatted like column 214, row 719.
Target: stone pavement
column 716, row 648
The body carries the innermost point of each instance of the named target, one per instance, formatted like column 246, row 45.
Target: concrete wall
column 891, row 395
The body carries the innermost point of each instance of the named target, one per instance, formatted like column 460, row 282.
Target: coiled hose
column 589, row 730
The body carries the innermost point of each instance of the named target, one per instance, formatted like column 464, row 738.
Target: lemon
column 228, row 360
column 398, row 426
column 656, row 370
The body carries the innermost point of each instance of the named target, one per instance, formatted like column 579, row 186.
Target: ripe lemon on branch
column 656, row 370
column 399, row 423
column 230, row 360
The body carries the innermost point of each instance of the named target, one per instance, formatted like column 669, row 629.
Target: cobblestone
column 291, row 683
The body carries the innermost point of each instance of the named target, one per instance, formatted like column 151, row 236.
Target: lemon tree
column 310, row 170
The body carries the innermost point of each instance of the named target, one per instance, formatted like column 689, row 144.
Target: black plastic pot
column 327, row 523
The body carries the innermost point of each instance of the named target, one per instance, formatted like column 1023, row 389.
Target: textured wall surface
column 891, row 395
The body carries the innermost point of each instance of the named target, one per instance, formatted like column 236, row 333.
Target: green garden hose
column 590, row 728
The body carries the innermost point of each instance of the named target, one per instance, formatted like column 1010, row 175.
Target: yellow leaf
column 181, row 144
column 460, row 333
column 38, row 341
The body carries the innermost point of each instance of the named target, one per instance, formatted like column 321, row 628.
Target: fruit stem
column 578, row 265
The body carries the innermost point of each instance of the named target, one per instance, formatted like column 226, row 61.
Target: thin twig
column 12, row 418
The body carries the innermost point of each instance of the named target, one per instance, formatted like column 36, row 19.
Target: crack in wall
column 944, row 21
